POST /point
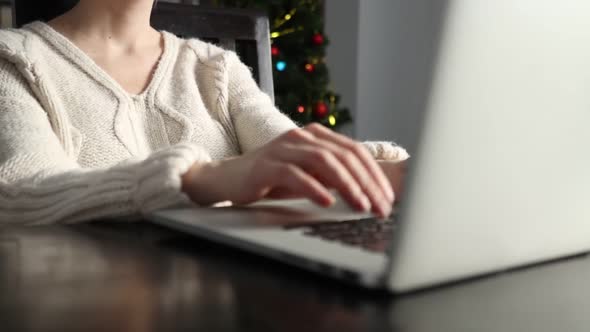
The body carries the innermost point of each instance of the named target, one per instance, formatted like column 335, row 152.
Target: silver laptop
column 500, row 178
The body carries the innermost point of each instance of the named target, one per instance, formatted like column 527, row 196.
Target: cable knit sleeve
column 257, row 121
column 386, row 151
column 41, row 184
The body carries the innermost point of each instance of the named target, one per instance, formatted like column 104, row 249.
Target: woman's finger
column 328, row 169
column 362, row 154
column 381, row 204
column 290, row 178
column 371, row 188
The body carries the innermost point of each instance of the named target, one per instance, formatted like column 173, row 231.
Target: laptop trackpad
column 268, row 213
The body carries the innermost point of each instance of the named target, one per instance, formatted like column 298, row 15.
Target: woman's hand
column 301, row 163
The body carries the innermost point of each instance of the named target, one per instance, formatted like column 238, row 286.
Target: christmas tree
column 298, row 52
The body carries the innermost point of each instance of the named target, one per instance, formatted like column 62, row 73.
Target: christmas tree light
column 298, row 51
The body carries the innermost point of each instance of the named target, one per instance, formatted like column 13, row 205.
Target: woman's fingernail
column 330, row 200
column 390, row 195
column 385, row 208
column 365, row 204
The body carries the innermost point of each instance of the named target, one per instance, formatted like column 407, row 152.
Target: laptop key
column 370, row 234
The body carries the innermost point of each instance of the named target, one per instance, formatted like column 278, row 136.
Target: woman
column 103, row 116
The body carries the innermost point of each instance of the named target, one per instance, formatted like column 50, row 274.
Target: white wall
column 341, row 27
column 383, row 68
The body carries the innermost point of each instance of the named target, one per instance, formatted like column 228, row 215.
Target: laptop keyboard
column 370, row 234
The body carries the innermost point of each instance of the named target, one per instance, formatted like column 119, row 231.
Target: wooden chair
column 243, row 31
column 5, row 14
column 26, row 11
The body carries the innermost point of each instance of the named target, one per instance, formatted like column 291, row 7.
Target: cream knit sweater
column 75, row 146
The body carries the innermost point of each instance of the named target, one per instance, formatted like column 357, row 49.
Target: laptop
column 500, row 177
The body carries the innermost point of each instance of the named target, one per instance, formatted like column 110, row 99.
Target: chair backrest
column 27, row 11
column 6, row 14
column 240, row 30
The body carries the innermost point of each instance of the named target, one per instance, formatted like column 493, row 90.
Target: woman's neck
column 125, row 23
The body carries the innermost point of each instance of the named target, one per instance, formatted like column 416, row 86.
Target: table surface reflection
column 142, row 277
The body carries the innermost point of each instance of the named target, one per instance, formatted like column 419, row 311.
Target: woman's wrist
column 395, row 172
column 194, row 183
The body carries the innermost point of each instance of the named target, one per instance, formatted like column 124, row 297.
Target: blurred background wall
column 381, row 59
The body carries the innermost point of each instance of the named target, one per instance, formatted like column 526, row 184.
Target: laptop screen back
column 501, row 177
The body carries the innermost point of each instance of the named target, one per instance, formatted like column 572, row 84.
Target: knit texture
column 75, row 146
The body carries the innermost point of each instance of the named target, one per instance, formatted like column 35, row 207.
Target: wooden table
column 140, row 277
